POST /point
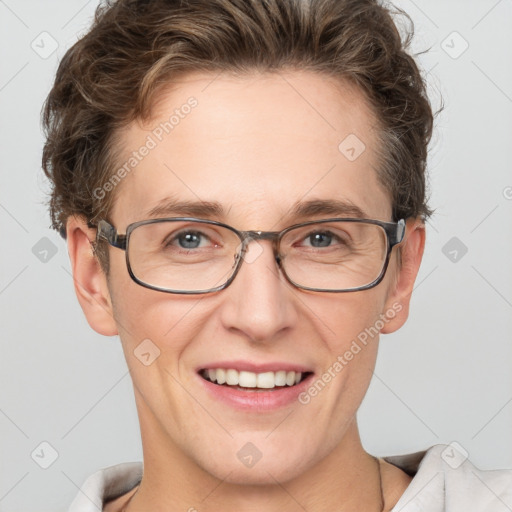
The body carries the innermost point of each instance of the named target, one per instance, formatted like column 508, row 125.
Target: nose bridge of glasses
column 261, row 235
column 249, row 236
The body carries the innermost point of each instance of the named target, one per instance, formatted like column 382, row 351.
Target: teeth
column 232, row 377
column 221, row 376
column 280, row 378
column 248, row 379
column 267, row 380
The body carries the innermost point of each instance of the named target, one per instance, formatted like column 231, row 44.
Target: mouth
column 252, row 381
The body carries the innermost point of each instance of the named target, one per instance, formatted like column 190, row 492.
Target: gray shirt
column 444, row 480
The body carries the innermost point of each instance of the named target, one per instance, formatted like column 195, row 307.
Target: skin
column 256, row 144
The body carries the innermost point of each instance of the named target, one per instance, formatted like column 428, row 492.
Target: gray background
column 444, row 377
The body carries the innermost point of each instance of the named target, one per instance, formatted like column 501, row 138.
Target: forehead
column 257, row 145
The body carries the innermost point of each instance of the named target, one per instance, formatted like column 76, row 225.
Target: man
column 242, row 188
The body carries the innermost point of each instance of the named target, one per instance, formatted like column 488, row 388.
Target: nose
column 259, row 303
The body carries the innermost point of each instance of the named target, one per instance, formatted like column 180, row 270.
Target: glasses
column 191, row 256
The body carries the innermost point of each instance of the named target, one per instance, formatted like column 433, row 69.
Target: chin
column 271, row 466
column 259, row 476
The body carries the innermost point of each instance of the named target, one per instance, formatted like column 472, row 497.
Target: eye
column 325, row 238
column 188, row 240
column 320, row 239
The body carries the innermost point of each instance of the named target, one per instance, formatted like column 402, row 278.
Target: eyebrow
column 334, row 207
column 170, row 206
column 211, row 209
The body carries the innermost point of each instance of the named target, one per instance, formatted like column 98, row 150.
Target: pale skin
column 257, row 146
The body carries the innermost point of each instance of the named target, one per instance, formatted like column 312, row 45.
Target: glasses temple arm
column 398, row 235
column 110, row 234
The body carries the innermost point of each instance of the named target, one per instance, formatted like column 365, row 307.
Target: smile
column 251, row 381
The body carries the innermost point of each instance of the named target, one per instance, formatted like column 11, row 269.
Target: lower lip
column 256, row 401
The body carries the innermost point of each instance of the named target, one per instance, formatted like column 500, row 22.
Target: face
column 258, row 146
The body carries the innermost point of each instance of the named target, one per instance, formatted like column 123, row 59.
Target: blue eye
column 320, row 239
column 189, row 240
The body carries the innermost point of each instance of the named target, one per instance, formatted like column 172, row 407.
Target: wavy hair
column 134, row 48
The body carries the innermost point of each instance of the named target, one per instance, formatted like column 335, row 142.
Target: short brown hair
column 134, row 47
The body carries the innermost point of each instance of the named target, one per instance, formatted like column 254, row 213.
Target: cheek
column 170, row 322
column 157, row 333
column 349, row 317
column 144, row 313
column 151, row 321
column 349, row 326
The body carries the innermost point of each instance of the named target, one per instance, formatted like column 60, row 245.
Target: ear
column 399, row 296
column 89, row 279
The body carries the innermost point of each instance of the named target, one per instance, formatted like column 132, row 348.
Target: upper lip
column 256, row 368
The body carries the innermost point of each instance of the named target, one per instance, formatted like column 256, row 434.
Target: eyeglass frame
column 395, row 232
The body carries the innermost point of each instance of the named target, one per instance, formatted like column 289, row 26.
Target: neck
column 346, row 479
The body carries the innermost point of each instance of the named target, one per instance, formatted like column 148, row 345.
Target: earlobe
column 399, row 297
column 89, row 280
